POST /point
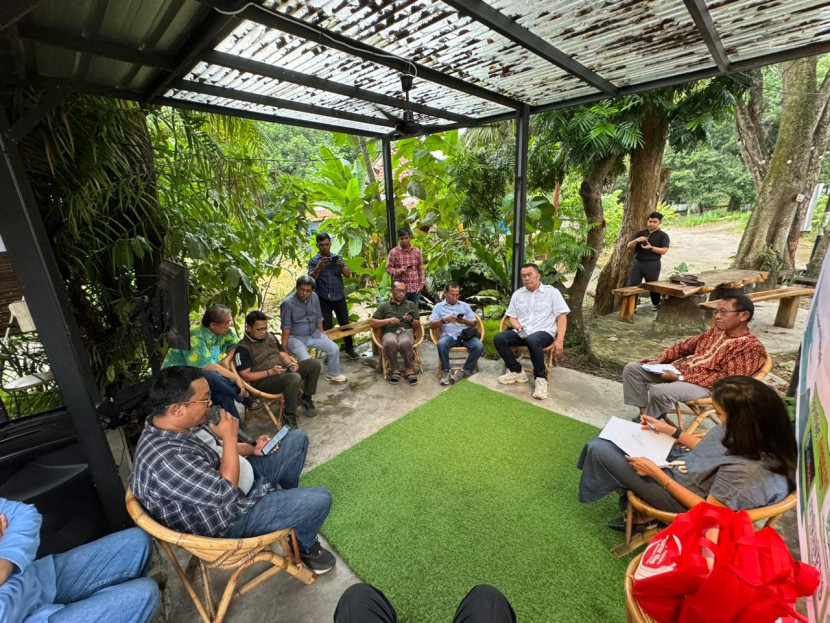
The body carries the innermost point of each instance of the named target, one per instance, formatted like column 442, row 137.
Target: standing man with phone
column 453, row 317
column 396, row 318
column 649, row 246
column 261, row 361
column 406, row 263
column 328, row 271
column 538, row 317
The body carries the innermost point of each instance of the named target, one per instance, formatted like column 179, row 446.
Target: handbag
column 468, row 333
column 686, row 280
column 710, row 565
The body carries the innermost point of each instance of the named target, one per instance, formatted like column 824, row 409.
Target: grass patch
column 713, row 216
column 475, row 487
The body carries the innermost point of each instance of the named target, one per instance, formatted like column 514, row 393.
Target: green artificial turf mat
column 475, row 487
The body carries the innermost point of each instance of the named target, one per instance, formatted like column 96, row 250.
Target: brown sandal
column 394, row 377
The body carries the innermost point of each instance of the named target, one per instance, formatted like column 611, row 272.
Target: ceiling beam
column 11, row 11
column 207, row 35
column 276, row 102
column 703, row 20
column 95, row 46
column 500, row 23
column 353, row 47
column 247, row 65
column 246, row 114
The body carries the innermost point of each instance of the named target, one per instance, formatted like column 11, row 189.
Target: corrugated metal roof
column 336, row 63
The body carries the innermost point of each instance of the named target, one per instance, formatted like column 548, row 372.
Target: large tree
column 787, row 168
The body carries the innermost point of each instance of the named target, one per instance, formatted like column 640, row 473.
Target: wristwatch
column 681, row 378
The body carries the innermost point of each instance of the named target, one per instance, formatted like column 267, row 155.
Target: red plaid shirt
column 714, row 355
column 396, row 265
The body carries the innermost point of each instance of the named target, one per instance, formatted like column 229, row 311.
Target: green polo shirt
column 388, row 309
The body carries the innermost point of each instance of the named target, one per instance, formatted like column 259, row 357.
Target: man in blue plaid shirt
column 198, row 479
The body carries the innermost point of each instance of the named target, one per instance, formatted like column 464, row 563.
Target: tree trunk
column 367, row 161
column 665, row 174
column 591, row 193
column 814, row 267
column 750, row 131
column 776, row 207
column 641, row 200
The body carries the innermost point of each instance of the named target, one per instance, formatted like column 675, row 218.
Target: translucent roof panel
column 784, row 25
column 200, row 98
column 221, row 76
column 624, row 42
column 257, row 42
column 435, row 35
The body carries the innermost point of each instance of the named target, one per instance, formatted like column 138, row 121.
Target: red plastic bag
column 710, row 565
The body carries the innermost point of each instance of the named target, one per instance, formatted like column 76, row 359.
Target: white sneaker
column 336, row 379
column 540, row 392
column 513, row 377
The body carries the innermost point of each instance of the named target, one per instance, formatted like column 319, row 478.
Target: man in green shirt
column 396, row 319
column 210, row 344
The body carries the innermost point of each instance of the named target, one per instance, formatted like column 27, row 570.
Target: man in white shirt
column 538, row 317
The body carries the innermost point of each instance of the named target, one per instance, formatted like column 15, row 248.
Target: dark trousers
column 289, row 383
column 645, row 271
column 415, row 297
column 363, row 603
column 342, row 312
column 536, row 343
column 223, row 391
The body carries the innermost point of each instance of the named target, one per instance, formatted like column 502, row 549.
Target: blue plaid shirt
column 176, row 478
column 329, row 281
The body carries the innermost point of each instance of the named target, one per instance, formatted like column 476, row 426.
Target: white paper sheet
column 634, row 441
column 659, row 368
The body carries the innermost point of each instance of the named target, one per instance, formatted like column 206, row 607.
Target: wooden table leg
column 787, row 311
column 627, row 309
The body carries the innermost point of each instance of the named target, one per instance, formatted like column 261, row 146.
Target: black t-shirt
column 657, row 238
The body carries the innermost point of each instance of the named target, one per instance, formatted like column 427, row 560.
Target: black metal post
column 28, row 244
column 389, row 192
column 520, row 195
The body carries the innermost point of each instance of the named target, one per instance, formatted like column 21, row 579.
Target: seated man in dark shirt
column 193, row 485
column 261, row 361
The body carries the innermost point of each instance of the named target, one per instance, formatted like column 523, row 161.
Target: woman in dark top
column 746, row 462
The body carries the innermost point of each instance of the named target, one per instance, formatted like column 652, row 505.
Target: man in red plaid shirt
column 406, row 263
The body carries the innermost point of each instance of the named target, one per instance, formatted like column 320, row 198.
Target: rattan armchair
column 236, row 554
column 633, row 612
column 460, row 352
column 268, row 400
column 702, row 408
column 418, row 334
column 522, row 351
column 771, row 513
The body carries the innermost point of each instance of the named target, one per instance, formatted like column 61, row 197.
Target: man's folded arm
column 21, row 538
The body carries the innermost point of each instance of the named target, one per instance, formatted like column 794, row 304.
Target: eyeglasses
column 206, row 401
column 723, row 312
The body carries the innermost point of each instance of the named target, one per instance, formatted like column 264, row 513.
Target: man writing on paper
column 729, row 349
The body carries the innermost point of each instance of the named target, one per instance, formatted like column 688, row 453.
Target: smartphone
column 460, row 316
column 269, row 447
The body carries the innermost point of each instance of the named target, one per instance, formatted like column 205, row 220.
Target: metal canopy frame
column 478, row 62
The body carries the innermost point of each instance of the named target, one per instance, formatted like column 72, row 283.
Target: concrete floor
column 353, row 411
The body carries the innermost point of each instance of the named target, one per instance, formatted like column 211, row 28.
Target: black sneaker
column 317, row 559
column 308, row 406
column 290, row 419
column 351, row 354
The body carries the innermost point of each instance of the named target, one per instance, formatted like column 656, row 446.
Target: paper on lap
column 659, row 368
column 634, row 441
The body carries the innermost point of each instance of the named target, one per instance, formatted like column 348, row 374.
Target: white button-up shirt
column 538, row 310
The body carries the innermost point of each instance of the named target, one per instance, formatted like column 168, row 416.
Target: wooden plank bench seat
column 360, row 326
column 787, row 307
column 629, row 301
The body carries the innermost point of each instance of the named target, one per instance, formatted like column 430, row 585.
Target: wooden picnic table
column 680, row 307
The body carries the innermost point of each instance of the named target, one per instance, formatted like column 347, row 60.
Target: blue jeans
column 474, row 345
column 305, row 509
column 415, row 297
column 536, row 343
column 223, row 391
column 103, row 580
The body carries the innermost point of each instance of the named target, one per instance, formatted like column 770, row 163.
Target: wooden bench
column 629, row 301
column 787, row 307
column 354, row 328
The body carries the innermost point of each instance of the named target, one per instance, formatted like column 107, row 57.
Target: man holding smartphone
column 328, row 271
column 261, row 361
column 396, row 319
column 649, row 245
column 186, row 484
column 406, row 263
column 452, row 316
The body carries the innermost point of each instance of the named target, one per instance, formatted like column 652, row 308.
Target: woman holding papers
column 746, row 462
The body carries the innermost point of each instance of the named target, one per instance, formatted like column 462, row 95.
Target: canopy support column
column 520, row 195
column 389, row 192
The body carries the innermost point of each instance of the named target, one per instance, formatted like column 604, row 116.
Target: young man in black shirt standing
column 649, row 246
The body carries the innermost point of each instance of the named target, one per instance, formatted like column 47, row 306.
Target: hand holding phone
column 269, row 447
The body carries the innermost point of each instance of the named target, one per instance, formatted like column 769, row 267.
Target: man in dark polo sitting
column 261, row 361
